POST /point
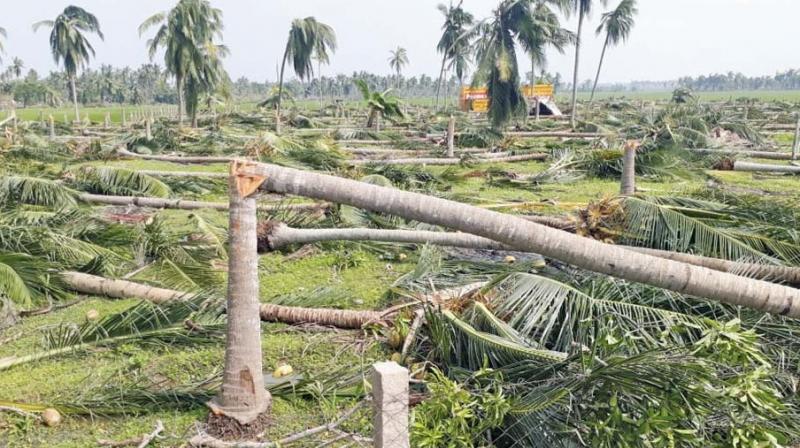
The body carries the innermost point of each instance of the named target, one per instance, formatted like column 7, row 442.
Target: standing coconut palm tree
column 186, row 33
column 584, row 8
column 207, row 77
column 455, row 43
column 545, row 32
column 69, row 44
column 308, row 38
column 617, row 25
column 397, row 60
column 16, row 67
column 497, row 56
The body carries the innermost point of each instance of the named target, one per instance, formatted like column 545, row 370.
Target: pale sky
column 672, row 38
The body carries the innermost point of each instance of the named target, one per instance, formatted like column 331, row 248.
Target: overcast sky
column 672, row 38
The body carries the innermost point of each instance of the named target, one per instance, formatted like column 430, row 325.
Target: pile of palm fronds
column 585, row 359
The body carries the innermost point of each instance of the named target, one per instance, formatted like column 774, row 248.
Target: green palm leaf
column 35, row 191
column 142, row 323
column 558, row 316
column 686, row 225
column 120, row 181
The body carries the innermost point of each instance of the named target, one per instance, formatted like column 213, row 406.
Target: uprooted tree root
column 222, row 427
column 724, row 164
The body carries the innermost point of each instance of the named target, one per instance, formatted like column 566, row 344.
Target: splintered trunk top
column 242, row 396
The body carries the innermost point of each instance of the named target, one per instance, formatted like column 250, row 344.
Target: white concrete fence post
column 390, row 401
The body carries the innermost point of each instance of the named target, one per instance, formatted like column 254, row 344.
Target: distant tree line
column 147, row 84
column 786, row 80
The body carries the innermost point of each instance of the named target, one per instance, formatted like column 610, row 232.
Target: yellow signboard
column 480, row 105
column 539, row 90
column 476, row 99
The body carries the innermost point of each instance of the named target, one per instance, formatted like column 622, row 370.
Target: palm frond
column 35, row 191
column 144, row 323
column 120, row 181
column 558, row 316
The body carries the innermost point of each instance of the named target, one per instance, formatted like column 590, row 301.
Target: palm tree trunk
column 527, row 236
column 179, row 84
column 533, row 70
column 278, row 235
column 439, row 84
column 242, row 397
column 280, row 94
column 574, row 113
column 119, row 289
column 372, row 117
column 293, row 315
column 74, row 97
column 449, row 161
column 733, row 152
column 451, row 135
column 764, row 167
column 628, row 183
column 599, row 67
column 177, row 159
column 446, row 99
column 181, row 204
column 319, row 81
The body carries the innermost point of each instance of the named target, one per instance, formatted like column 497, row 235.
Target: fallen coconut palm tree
column 765, row 168
column 543, row 134
column 182, row 204
column 744, row 153
column 527, row 236
column 454, row 161
column 124, row 289
column 157, row 173
column 176, row 158
column 328, row 317
column 278, row 235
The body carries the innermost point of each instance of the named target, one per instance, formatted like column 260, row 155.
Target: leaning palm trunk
column 179, row 85
column 599, row 67
column 439, row 82
column 527, row 236
column 181, row 204
column 763, row 167
column 280, row 94
column 242, row 397
column 574, row 113
column 446, row 161
column 74, row 97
